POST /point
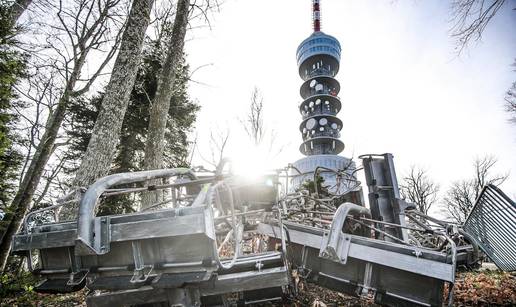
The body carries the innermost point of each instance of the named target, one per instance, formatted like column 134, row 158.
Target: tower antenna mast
column 316, row 15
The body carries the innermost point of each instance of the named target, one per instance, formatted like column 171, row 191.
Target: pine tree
column 12, row 64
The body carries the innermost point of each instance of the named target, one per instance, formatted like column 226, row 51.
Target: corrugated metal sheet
column 492, row 223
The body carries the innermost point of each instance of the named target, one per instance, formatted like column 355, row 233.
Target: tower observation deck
column 318, row 60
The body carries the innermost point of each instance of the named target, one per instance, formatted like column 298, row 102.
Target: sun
column 251, row 161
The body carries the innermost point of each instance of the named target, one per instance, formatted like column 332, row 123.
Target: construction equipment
column 222, row 239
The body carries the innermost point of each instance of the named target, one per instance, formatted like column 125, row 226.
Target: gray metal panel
column 397, row 256
column 413, row 264
column 492, row 224
column 401, row 275
column 226, row 283
column 234, row 282
column 169, row 223
column 145, row 295
column 44, row 240
column 384, row 195
column 175, row 226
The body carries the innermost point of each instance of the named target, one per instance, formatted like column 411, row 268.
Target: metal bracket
column 101, row 239
column 76, row 278
column 77, row 275
column 335, row 244
column 102, row 228
column 30, row 263
column 259, row 265
column 339, row 251
column 303, row 270
column 139, row 275
column 368, row 273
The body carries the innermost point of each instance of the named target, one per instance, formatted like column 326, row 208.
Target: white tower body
column 318, row 59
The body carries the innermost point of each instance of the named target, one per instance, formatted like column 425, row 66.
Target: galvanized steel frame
column 492, row 225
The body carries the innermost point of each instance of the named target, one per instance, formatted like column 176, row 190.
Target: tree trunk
column 106, row 132
column 21, row 202
column 154, row 146
column 84, row 40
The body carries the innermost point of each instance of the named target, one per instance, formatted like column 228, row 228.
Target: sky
column 404, row 89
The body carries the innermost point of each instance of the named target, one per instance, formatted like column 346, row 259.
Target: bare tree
column 256, row 129
column 510, row 100
column 154, row 147
column 80, row 27
column 106, row 132
column 483, row 172
column 49, row 178
column 218, row 142
column 253, row 125
column 459, row 200
column 510, row 103
column 470, row 18
column 39, row 100
column 419, row 189
column 461, row 196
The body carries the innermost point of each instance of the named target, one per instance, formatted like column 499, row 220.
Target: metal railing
column 492, row 225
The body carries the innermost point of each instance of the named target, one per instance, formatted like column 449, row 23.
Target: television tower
column 318, row 59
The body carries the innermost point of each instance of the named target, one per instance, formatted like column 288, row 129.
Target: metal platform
column 173, row 255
